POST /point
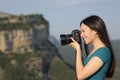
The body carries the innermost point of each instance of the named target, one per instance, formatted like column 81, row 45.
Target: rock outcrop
column 26, row 34
column 23, row 34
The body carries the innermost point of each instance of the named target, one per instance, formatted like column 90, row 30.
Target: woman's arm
column 93, row 65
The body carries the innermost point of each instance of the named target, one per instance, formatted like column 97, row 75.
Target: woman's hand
column 75, row 45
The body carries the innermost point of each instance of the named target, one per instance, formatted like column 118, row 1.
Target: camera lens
column 65, row 39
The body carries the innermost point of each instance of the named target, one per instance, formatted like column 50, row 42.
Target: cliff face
column 16, row 36
column 25, row 34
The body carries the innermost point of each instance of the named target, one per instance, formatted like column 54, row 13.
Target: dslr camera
column 66, row 38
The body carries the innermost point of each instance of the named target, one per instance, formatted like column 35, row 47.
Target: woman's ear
column 95, row 32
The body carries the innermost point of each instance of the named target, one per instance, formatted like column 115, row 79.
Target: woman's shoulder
column 103, row 50
column 103, row 53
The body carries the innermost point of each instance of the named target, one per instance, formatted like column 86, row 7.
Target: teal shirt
column 105, row 55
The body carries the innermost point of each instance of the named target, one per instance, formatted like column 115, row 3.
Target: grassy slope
column 59, row 70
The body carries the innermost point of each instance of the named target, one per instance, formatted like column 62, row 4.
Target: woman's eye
column 83, row 31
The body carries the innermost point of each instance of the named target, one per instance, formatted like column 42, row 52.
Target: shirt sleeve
column 104, row 54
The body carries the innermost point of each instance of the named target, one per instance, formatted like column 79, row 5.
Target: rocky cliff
column 23, row 33
column 29, row 35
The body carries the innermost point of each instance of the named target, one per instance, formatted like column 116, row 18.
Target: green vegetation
column 59, row 71
column 21, row 22
column 2, row 15
column 67, row 53
column 15, row 68
column 19, row 26
column 25, row 66
column 15, row 26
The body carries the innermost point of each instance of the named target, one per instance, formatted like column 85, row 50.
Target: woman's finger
column 73, row 39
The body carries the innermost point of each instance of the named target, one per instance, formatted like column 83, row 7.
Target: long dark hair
column 96, row 23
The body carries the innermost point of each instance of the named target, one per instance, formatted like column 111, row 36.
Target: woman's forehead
column 83, row 26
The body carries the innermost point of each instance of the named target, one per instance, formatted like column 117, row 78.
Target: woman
column 100, row 62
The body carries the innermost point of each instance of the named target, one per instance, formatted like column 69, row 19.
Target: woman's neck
column 97, row 43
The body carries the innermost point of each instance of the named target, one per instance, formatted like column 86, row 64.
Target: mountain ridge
column 26, row 53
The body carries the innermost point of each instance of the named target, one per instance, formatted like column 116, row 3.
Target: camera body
column 66, row 38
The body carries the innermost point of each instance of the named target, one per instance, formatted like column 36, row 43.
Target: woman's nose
column 81, row 34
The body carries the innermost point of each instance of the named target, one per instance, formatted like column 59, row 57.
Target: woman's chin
column 86, row 42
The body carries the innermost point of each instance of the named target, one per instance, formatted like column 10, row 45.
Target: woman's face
column 87, row 34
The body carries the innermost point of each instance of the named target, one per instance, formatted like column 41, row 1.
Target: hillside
column 3, row 14
column 26, row 53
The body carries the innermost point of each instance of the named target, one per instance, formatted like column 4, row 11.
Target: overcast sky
column 66, row 15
